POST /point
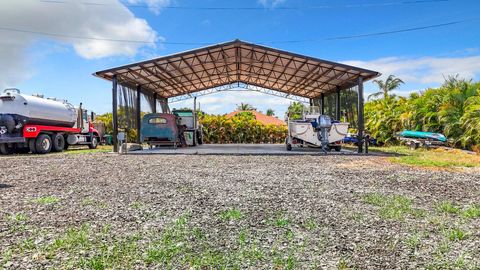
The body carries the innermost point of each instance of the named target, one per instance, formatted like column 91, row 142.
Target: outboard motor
column 324, row 125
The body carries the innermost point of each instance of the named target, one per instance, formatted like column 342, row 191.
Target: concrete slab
column 237, row 149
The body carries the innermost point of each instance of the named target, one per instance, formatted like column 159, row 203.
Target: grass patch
column 468, row 212
column 392, row 207
column 472, row 211
column 282, row 222
column 46, row 200
column 431, row 158
column 17, row 221
column 455, row 234
column 137, row 205
column 88, row 201
column 344, row 264
column 311, row 224
column 413, row 241
column 448, row 207
column 230, row 214
column 95, row 203
column 17, row 217
column 185, row 247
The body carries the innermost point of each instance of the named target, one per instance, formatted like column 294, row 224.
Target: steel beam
column 241, row 85
column 114, row 113
column 361, row 125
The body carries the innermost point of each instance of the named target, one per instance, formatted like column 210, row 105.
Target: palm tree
column 295, row 110
column 270, row 112
column 245, row 107
column 386, row 86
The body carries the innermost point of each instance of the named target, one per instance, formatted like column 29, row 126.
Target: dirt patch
column 249, row 212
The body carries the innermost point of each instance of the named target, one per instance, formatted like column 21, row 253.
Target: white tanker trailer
column 40, row 125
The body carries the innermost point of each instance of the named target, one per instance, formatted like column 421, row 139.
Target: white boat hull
column 306, row 132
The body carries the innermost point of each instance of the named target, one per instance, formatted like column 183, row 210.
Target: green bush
column 452, row 109
column 240, row 129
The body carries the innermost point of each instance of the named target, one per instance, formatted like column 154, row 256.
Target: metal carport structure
column 240, row 62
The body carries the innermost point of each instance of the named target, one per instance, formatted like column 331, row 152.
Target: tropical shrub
column 452, row 109
column 126, row 123
column 240, row 129
column 295, row 110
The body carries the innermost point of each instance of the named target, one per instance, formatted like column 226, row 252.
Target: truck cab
column 192, row 127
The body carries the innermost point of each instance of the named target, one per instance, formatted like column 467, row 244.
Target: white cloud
column 271, row 3
column 424, row 70
column 154, row 5
column 111, row 21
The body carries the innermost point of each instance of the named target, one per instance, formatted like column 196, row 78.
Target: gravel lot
column 237, row 212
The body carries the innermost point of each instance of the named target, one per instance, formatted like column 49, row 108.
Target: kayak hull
column 423, row 135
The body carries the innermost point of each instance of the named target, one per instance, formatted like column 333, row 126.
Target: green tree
column 452, row 109
column 245, row 107
column 245, row 115
column 295, row 110
column 390, row 84
column 270, row 112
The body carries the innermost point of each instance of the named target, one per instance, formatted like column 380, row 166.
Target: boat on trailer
column 415, row 139
column 315, row 130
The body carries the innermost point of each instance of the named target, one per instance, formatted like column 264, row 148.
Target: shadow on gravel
column 5, row 186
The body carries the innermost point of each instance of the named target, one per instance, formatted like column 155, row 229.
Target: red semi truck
column 31, row 123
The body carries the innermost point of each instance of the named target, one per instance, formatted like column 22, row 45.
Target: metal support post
column 195, row 115
column 322, row 103
column 114, row 114
column 361, row 125
column 337, row 105
column 138, row 111
column 154, row 103
column 164, row 105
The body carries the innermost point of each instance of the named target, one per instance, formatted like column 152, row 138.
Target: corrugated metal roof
column 238, row 61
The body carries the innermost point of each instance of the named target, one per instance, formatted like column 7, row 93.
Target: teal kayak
column 423, row 135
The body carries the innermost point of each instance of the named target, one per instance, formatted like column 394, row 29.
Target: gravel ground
column 237, row 212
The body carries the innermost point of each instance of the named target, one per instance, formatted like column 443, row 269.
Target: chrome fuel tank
column 37, row 110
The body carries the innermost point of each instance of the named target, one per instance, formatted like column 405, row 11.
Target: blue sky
column 61, row 66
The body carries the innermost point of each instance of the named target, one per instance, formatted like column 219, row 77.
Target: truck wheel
column 194, row 139
column 43, row 144
column 288, row 146
column 199, row 138
column 31, row 146
column 5, row 149
column 58, row 143
column 338, row 148
column 94, row 143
